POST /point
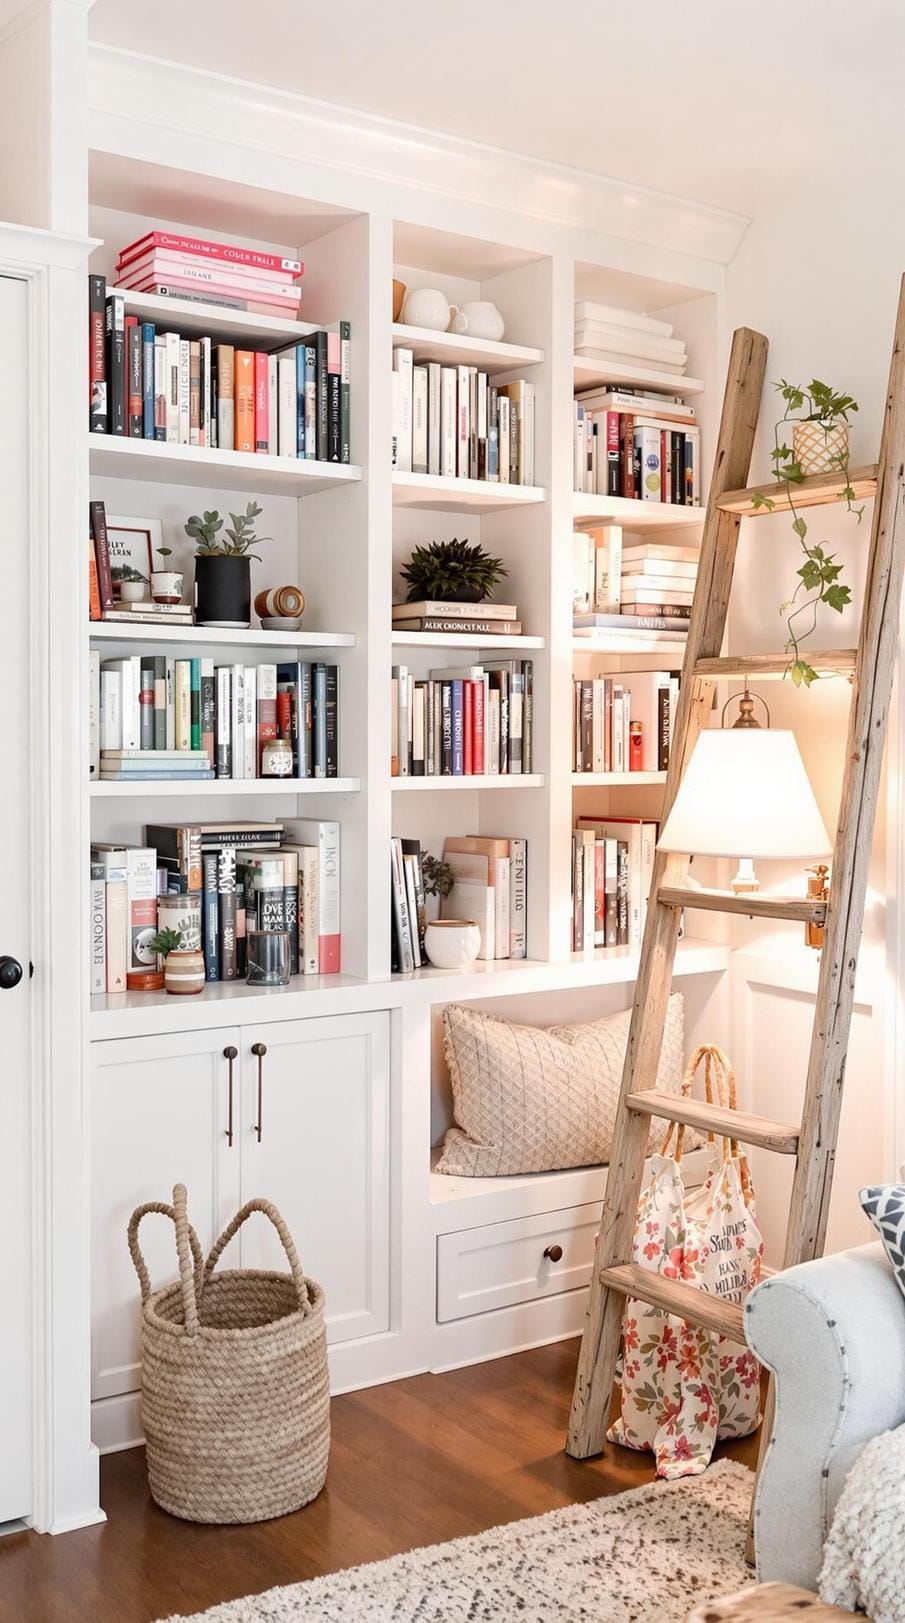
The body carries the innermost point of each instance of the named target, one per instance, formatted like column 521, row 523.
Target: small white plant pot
column 132, row 591
column 166, row 586
column 818, row 447
column 452, row 943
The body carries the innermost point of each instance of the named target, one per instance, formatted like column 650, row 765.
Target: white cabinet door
column 316, row 1142
column 160, row 1117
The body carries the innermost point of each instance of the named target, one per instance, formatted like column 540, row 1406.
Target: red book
column 208, row 250
column 284, row 711
column 286, row 299
column 171, row 263
column 478, row 746
column 262, row 402
column 628, row 456
column 468, row 726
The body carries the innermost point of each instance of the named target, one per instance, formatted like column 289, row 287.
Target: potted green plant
column 166, row 583
column 438, row 880
column 129, row 582
column 820, row 444
column 222, row 566
column 183, row 967
column 451, row 572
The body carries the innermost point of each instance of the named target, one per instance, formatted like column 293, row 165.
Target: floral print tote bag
column 683, row 1388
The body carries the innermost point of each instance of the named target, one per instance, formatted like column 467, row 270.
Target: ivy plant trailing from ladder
column 819, row 576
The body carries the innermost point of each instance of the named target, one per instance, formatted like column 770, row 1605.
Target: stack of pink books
column 202, row 272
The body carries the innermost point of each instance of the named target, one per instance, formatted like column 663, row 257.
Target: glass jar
column 276, row 758
column 267, row 958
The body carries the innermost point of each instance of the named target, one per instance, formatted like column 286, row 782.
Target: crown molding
column 126, row 85
column 32, row 246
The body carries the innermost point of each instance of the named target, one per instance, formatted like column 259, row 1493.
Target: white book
column 463, row 421
column 250, row 709
column 171, row 340
column 185, row 373
column 639, row 595
column 607, row 539
column 403, row 717
column 419, row 419
column 661, row 567
column 504, row 410
column 662, row 586
column 94, row 713
column 677, row 412
column 400, row 908
column 492, row 729
column 287, row 409
column 617, row 730
column 470, row 899
column 224, row 737
column 272, row 405
column 647, row 448
column 598, row 724
column 501, row 916
column 325, row 835
column 591, row 310
column 588, row 894
column 237, row 719
column 170, row 695
column 448, row 423
column 182, row 694
column 97, row 922
column 527, row 465
column 579, row 450
column 403, row 363
column 396, row 414
column 610, row 357
column 518, row 898
column 643, row 345
column 433, row 416
column 411, row 899
column 129, row 701
column 160, row 384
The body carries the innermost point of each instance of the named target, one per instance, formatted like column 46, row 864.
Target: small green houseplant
column 166, row 583
column 222, row 565
column 451, row 572
column 438, row 880
column 820, row 444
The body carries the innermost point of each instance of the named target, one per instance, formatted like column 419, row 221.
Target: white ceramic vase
column 452, row 943
column 166, row 586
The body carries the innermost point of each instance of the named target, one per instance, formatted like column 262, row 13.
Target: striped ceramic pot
column 183, row 970
column 818, row 447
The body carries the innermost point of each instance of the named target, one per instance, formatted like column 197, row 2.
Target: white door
column 16, row 947
column 316, row 1142
column 160, row 1116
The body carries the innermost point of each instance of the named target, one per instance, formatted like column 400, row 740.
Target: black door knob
column 554, row 1253
column 10, row 972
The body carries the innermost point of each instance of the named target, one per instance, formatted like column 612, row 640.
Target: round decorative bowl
column 281, row 622
column 452, row 943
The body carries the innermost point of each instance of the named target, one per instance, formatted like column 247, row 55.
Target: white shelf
column 627, row 642
column 616, row 780
column 213, row 320
column 472, row 780
column 457, row 349
column 186, row 636
column 117, row 457
column 456, row 495
column 590, row 374
column 458, row 639
column 156, row 788
column 633, row 514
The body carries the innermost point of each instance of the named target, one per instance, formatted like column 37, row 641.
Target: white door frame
column 54, row 267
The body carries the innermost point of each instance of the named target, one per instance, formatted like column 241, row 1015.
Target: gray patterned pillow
column 884, row 1204
column 532, row 1100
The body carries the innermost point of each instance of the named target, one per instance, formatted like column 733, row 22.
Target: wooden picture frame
column 132, row 543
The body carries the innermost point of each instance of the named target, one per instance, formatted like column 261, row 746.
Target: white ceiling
column 722, row 101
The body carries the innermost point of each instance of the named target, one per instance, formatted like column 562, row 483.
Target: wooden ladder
column 870, row 666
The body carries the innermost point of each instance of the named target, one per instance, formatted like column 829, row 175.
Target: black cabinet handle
column 10, row 972
column 554, row 1253
column 230, row 1054
column 259, row 1050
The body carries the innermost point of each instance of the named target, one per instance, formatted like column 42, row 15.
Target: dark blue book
column 148, row 334
column 300, row 398
column 457, row 705
column 210, row 917
column 296, row 676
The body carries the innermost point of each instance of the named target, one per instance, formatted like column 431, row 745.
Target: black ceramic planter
column 223, row 591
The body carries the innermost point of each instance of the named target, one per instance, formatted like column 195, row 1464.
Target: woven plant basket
column 235, row 1396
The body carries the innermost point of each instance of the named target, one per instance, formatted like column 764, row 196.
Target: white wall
column 819, row 275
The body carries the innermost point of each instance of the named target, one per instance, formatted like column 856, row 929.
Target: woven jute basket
column 235, row 1396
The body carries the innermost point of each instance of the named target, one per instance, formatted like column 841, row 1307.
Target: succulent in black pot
column 223, row 566
column 451, row 572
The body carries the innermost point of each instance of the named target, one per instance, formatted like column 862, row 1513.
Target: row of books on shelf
column 212, row 884
column 148, row 384
column 645, row 580
column 452, row 421
column 624, row 723
column 612, row 866
column 474, row 719
column 603, row 333
column 489, row 885
column 152, row 716
column 641, row 447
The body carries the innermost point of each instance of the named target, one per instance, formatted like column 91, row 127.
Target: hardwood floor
column 422, row 1460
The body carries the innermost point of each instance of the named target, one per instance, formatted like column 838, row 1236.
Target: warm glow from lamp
column 746, row 793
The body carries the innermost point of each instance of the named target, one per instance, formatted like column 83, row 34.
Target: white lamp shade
column 746, row 794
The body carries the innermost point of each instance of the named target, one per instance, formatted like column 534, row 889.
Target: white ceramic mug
column 426, row 307
column 479, row 318
column 452, row 943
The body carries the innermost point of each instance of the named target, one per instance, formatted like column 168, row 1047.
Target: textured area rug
column 646, row 1556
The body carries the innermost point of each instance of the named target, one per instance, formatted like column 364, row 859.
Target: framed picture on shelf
column 132, row 543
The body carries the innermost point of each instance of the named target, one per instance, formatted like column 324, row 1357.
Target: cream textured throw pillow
column 532, row 1100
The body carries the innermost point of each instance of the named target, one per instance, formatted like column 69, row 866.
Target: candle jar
column 276, row 758
column 267, row 958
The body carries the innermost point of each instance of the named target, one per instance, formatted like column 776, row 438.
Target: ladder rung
column 814, row 491
column 754, row 904
column 768, row 1135
column 772, row 667
column 710, row 1312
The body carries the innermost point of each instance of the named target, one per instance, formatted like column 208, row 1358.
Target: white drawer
column 503, row 1264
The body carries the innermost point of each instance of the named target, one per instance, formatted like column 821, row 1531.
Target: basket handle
column 725, row 1090
column 232, row 1228
column 685, row 1093
column 188, row 1249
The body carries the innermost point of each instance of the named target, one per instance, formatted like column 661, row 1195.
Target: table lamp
column 746, row 794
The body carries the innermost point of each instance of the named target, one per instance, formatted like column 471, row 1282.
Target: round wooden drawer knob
column 554, row 1252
